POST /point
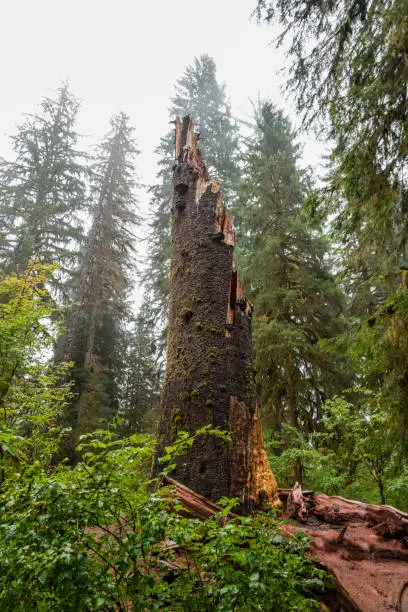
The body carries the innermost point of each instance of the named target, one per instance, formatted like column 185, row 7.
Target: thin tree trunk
column 294, row 422
column 381, row 489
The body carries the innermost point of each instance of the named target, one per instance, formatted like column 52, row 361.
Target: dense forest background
column 324, row 260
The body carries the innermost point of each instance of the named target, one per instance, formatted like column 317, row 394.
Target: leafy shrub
column 352, row 455
column 91, row 538
column 32, row 394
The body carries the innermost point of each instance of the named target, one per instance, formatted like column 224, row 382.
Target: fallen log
column 364, row 546
column 194, row 504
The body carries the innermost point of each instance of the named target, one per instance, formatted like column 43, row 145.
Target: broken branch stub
column 209, row 373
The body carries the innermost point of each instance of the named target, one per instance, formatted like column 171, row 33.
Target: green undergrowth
column 90, row 537
column 351, row 456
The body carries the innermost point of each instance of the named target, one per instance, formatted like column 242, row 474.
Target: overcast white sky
column 126, row 55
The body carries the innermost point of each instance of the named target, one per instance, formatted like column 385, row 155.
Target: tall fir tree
column 42, row 191
column 349, row 69
column 140, row 391
column 297, row 302
column 95, row 333
column 198, row 94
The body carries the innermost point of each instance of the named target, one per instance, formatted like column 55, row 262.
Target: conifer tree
column 42, row 190
column 141, row 379
column 95, row 334
column 297, row 303
column 348, row 69
column 197, row 93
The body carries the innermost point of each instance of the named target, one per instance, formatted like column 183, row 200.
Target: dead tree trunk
column 209, row 375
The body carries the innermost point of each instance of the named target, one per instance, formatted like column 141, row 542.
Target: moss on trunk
column 209, row 374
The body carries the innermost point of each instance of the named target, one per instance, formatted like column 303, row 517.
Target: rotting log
column 193, row 504
column 369, row 566
column 209, row 372
column 363, row 545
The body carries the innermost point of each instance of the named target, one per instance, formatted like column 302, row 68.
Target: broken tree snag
column 209, row 374
column 296, row 505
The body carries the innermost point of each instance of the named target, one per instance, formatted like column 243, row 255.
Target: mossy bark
column 209, row 374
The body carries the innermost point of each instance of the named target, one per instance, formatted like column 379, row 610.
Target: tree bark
column 209, row 374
